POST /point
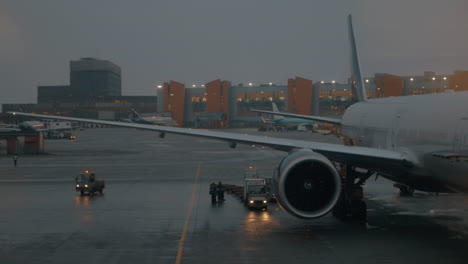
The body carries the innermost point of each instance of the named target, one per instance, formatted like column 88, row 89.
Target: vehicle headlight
column 251, row 201
column 264, row 201
column 77, row 185
column 86, row 185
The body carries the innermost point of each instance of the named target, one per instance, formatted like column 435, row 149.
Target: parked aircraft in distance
column 405, row 139
column 135, row 117
column 32, row 126
column 279, row 122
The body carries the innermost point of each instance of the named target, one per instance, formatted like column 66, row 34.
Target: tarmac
column 156, row 208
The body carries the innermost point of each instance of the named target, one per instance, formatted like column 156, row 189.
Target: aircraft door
column 360, row 138
column 394, row 132
column 460, row 139
column 400, row 115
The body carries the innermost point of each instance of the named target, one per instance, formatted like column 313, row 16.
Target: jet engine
column 307, row 184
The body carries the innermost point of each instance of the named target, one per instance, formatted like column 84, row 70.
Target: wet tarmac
column 156, row 209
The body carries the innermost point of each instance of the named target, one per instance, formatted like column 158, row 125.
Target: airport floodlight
column 445, row 78
column 433, row 78
column 345, row 90
column 367, row 80
column 261, row 92
column 333, row 81
column 250, row 84
column 411, row 79
column 202, row 85
column 270, row 84
column 159, row 86
column 193, row 85
column 322, row 82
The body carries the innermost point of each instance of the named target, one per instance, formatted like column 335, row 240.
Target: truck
column 87, row 182
column 57, row 129
column 255, row 190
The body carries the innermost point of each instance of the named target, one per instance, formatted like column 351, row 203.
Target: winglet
column 356, row 77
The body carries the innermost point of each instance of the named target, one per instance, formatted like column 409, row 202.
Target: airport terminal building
column 219, row 103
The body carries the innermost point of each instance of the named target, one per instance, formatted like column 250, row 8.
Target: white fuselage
column 432, row 128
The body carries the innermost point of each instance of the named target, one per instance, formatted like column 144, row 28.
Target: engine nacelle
column 307, row 184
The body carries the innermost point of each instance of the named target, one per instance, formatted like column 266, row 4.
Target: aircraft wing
column 335, row 121
column 369, row 158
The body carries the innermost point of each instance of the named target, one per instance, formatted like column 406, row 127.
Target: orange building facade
column 300, row 96
column 387, row 85
column 218, row 98
column 174, row 100
column 459, row 81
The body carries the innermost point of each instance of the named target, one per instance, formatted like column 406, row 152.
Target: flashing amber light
column 251, row 167
column 86, row 171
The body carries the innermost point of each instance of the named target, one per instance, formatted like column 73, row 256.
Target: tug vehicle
column 87, row 183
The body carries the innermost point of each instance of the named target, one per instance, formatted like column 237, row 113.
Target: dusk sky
column 241, row 41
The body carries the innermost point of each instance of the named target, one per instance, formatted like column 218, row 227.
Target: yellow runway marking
column 187, row 218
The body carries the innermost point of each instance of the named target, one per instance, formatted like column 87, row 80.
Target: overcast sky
column 197, row 41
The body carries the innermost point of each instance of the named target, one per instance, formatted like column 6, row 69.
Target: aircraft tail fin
column 276, row 110
column 133, row 113
column 356, row 77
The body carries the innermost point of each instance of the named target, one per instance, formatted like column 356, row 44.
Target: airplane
column 279, row 122
column 419, row 142
column 9, row 128
column 135, row 117
column 32, row 126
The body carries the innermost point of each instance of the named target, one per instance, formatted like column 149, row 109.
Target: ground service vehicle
column 87, row 182
column 255, row 190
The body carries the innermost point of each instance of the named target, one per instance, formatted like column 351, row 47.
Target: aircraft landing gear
column 351, row 208
column 351, row 205
column 405, row 190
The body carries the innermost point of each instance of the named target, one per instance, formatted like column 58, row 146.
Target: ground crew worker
column 220, row 189
column 15, row 159
column 213, row 192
